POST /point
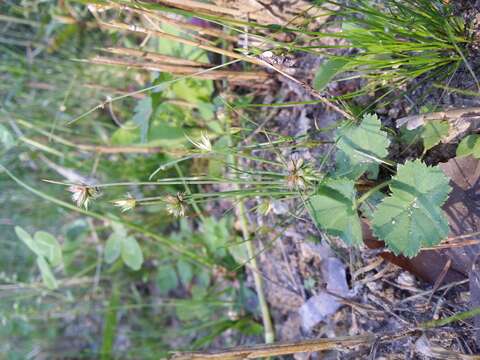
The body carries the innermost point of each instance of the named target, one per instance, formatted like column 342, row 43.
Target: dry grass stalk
column 164, row 35
column 266, row 12
column 217, row 33
column 233, row 76
column 155, row 57
column 287, row 12
column 278, row 349
column 202, row 7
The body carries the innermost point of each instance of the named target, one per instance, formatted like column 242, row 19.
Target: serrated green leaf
column 364, row 145
column 345, row 168
column 113, row 248
column 48, row 247
column 143, row 112
column 327, row 72
column 47, row 275
column 433, row 132
column 470, row 145
column 333, row 209
column 412, row 216
column 131, row 253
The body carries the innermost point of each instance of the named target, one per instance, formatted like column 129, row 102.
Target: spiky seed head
column 83, row 194
column 175, row 204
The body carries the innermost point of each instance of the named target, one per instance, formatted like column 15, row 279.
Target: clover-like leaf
column 412, row 216
column 6, row 138
column 49, row 247
column 333, row 208
column 27, row 240
column 47, row 274
column 143, row 112
column 113, row 247
column 131, row 253
column 364, row 146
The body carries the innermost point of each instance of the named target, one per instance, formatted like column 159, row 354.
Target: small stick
column 266, row 350
column 414, row 121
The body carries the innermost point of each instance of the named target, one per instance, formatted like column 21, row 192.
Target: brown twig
column 259, row 351
column 414, row 121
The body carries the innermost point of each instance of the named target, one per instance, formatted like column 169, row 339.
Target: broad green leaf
column 470, row 145
column 412, row 216
column 327, row 72
column 113, row 247
column 185, row 272
column 216, row 235
column 239, row 251
column 433, row 132
column 129, row 134
column 47, row 275
column 345, row 168
column 6, row 138
column 143, row 111
column 333, row 209
column 166, row 278
column 119, row 229
column 48, row 247
column 364, row 145
column 131, row 253
column 162, row 134
column 27, row 239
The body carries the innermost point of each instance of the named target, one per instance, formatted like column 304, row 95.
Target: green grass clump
column 393, row 42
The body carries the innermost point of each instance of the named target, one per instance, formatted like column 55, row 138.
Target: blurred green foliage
column 143, row 301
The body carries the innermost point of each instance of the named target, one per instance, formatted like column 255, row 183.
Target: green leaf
column 143, row 111
column 27, row 239
column 239, row 251
column 363, row 145
column 185, row 272
column 131, row 253
column 166, row 279
column 412, row 216
column 327, row 72
column 345, row 168
column 215, row 235
column 47, row 275
column 433, row 132
column 333, row 208
column 119, row 229
column 470, row 145
column 113, row 248
column 6, row 138
column 48, row 247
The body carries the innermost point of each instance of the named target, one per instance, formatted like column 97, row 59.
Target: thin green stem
column 187, row 190
column 372, row 191
column 269, row 332
column 147, row 233
column 448, row 320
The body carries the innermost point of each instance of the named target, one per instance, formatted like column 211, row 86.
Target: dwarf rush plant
column 393, row 42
